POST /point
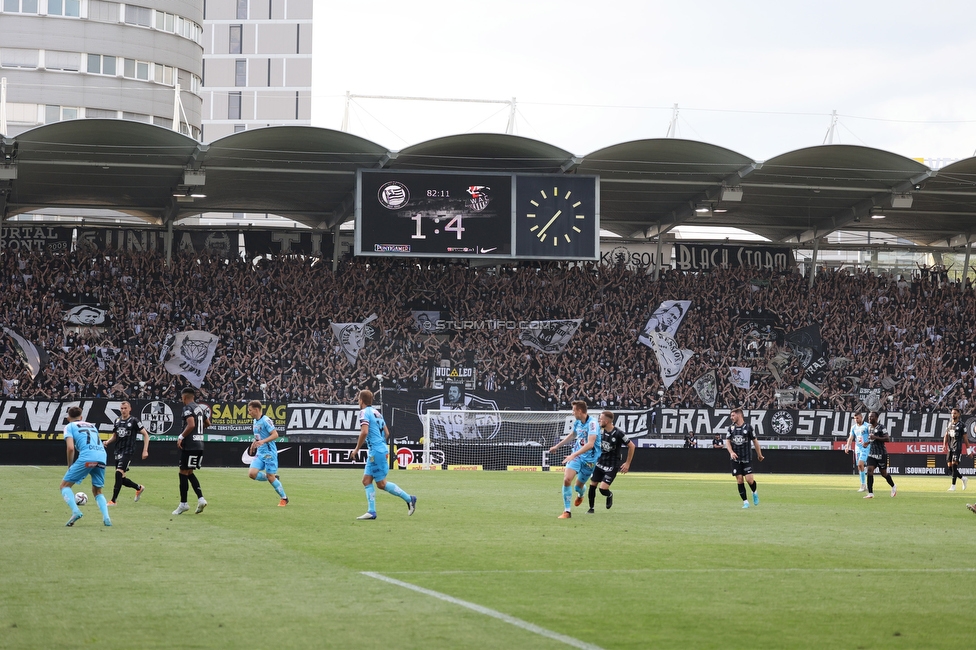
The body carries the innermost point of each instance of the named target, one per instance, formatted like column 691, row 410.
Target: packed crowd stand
column 914, row 336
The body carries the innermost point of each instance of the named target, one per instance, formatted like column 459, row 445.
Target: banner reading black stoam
column 36, row 239
column 700, row 257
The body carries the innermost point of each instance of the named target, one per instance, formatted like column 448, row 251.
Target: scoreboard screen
column 434, row 214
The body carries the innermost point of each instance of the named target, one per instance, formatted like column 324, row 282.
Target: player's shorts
column 191, row 459
column 861, row 455
column 377, row 466
column 82, row 468
column 954, row 456
column 603, row 475
column 268, row 463
column 583, row 469
column 880, row 463
column 122, row 462
column 740, row 468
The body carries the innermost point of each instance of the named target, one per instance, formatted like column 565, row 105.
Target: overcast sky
column 759, row 77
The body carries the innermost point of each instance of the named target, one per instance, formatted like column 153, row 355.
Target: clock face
column 556, row 217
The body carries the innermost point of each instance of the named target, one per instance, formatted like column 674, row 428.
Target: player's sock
column 580, row 488
column 129, row 483
column 592, row 496
column 195, row 483
column 69, row 498
column 280, row 490
column 567, row 496
column 742, row 490
column 371, row 498
column 863, row 477
column 261, row 476
column 103, row 507
column 871, row 483
column 395, row 490
column 605, row 492
column 890, row 480
column 118, row 486
column 184, row 487
column 753, row 487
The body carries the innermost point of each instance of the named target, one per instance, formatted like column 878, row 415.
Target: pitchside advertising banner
column 695, row 257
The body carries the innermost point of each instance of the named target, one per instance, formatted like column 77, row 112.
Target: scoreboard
column 477, row 214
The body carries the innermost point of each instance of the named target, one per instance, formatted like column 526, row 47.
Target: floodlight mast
column 509, row 128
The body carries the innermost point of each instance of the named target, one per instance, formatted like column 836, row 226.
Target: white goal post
column 494, row 440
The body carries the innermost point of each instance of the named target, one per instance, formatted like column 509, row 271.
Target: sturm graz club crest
column 157, row 417
column 393, row 195
column 782, row 423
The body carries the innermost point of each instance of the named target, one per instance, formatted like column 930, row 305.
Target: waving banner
column 707, row 388
column 740, row 377
column 670, row 356
column 28, row 352
column 551, row 336
column 191, row 354
column 352, row 337
column 666, row 318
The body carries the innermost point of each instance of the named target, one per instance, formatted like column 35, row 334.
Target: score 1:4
column 454, row 225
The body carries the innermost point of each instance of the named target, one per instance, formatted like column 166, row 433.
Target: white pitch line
column 713, row 570
column 511, row 620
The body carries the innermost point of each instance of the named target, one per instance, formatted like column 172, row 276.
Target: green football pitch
column 485, row 563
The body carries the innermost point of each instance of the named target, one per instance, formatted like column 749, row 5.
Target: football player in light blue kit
column 373, row 430
column 580, row 463
column 264, row 467
column 858, row 441
column 83, row 437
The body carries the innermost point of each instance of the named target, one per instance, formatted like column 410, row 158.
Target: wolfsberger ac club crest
column 157, row 417
column 480, row 197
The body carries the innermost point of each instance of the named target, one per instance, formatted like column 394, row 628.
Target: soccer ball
column 81, row 498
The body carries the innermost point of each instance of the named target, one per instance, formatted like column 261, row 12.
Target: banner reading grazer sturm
column 48, row 239
column 352, row 337
column 551, row 336
column 191, row 354
column 28, row 352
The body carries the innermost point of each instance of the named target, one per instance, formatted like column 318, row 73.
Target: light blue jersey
column 375, row 435
column 860, row 433
column 582, row 431
column 87, row 442
column 264, row 427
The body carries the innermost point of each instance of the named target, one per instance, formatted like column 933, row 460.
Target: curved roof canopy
column 647, row 187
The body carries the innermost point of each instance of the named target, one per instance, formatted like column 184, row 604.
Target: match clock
column 557, row 217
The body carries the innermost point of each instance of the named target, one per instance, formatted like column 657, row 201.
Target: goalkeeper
column 580, row 463
column 607, row 466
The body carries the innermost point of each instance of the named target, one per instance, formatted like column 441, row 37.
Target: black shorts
column 122, row 462
column 740, row 468
column 603, row 475
column 880, row 463
column 191, row 459
column 953, row 456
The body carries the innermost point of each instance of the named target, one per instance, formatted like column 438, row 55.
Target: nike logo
column 247, row 458
column 488, row 250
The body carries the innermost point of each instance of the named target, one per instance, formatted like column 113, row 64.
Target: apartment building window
column 59, row 113
column 71, row 8
column 133, row 69
column 240, row 73
column 135, row 15
column 20, row 6
column 239, row 127
column 234, row 106
column 163, row 74
column 100, row 64
column 15, row 57
column 68, row 61
column 241, row 9
column 235, row 39
column 100, row 113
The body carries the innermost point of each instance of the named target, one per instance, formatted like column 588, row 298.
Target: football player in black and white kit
column 954, row 442
column 124, row 432
column 739, row 442
column 877, row 454
column 195, row 420
column 608, row 464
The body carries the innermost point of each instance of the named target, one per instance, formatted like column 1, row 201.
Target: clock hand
column 542, row 233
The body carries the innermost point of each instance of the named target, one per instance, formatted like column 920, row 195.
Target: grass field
column 675, row 564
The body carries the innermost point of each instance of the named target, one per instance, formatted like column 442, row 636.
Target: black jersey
column 125, row 434
column 193, row 441
column 956, row 431
column 610, row 444
column 741, row 439
column 877, row 448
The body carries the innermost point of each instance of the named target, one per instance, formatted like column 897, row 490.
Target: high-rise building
column 73, row 59
column 257, row 65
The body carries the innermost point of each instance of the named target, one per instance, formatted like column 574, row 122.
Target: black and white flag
column 671, row 357
column 551, row 336
column 352, row 337
column 740, row 377
column 86, row 316
column 191, row 355
column 28, row 352
column 666, row 318
column 707, row 388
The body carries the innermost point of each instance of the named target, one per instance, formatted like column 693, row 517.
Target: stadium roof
column 647, row 186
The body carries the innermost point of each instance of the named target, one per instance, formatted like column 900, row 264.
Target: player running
column 581, row 462
column 954, row 440
column 858, row 442
column 124, row 437
column 264, row 467
column 373, row 430
column 611, row 440
column 878, row 455
column 83, row 437
column 740, row 454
